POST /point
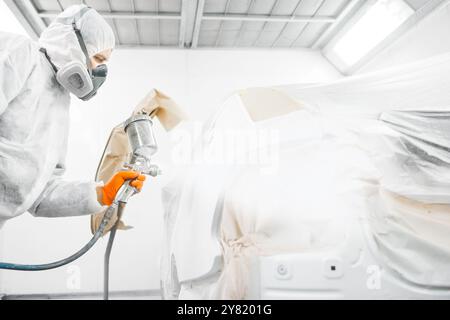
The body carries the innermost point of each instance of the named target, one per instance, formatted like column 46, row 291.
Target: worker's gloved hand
column 110, row 189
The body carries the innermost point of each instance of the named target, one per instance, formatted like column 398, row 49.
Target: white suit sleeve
column 15, row 67
column 62, row 198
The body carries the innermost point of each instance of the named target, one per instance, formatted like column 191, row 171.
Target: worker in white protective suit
column 36, row 79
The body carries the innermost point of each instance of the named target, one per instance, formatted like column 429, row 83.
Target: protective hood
column 61, row 43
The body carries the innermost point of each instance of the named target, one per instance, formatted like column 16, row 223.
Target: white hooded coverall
column 34, row 118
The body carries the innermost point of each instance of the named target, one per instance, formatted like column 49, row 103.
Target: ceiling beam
column 268, row 18
column 28, row 17
column 294, row 13
column 114, row 25
column 122, row 15
column 136, row 24
column 243, row 24
column 158, row 24
column 219, row 33
column 198, row 22
column 275, row 4
column 348, row 11
column 183, row 22
column 306, row 25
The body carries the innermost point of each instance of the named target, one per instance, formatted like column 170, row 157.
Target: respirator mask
column 77, row 78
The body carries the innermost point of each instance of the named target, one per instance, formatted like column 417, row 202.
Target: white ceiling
column 208, row 23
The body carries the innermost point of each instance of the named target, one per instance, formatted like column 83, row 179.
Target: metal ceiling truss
column 191, row 15
column 190, row 19
column 249, row 17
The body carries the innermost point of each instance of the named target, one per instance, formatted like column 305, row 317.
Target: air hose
column 40, row 267
column 143, row 144
column 112, row 235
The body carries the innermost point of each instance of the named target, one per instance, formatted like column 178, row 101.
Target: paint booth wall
column 198, row 80
column 429, row 37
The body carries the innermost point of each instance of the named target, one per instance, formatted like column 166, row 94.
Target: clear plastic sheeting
column 413, row 238
column 422, row 85
column 418, row 164
column 367, row 148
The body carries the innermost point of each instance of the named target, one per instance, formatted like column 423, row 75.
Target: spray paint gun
column 143, row 145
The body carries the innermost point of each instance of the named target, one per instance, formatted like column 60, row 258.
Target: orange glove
column 110, row 189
